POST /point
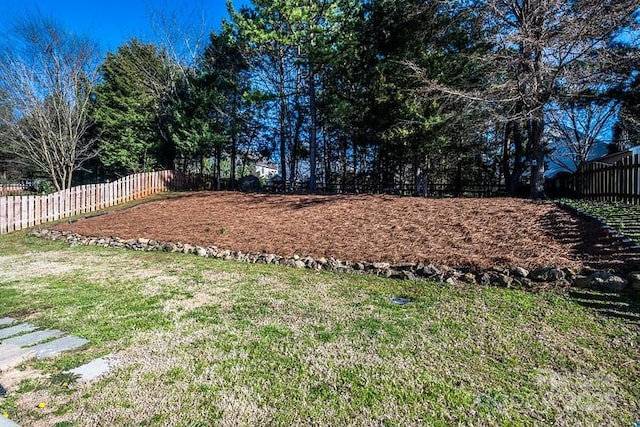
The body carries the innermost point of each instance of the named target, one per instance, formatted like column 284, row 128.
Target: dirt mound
column 477, row 233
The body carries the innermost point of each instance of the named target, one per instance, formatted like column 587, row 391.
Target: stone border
column 517, row 277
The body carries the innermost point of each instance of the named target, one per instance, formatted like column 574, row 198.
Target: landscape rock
column 608, row 281
column 381, row 265
column 519, row 272
column 503, row 281
column 515, row 277
column 451, row 281
column 580, row 281
column 547, row 274
column 408, row 275
column 486, row 278
column 468, row 278
column 403, row 266
column 430, row 271
column 634, row 280
column 200, row 251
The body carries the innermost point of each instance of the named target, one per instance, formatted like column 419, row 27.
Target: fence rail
column 20, row 212
column 616, row 182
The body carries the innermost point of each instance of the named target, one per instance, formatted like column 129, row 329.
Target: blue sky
column 113, row 22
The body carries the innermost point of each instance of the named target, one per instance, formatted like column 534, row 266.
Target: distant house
column 265, row 170
column 563, row 156
column 617, row 157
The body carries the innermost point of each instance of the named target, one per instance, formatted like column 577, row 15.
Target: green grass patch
column 208, row 342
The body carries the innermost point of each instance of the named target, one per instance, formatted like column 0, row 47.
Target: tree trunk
column 218, row 169
column 234, row 147
column 537, row 157
column 518, row 164
column 312, row 131
column 283, row 117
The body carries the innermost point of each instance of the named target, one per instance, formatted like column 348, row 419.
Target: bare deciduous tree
column 576, row 128
column 539, row 47
column 48, row 75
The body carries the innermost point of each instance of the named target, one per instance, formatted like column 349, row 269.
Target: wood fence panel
column 618, row 182
column 19, row 212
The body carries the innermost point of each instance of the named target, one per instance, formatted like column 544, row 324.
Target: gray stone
column 581, row 281
column 55, row 347
column 269, row 258
column 569, row 273
column 401, row 300
column 17, row 329
column 322, row 261
column 450, row 281
column 381, row 265
column 608, row 281
column 634, row 276
column 468, row 278
column 33, row 338
column 6, row 321
column 94, row 369
column 430, row 271
column 200, row 251
column 299, row 264
column 13, row 355
column 358, row 266
column 502, row 280
column 486, row 278
column 142, row 241
column 519, row 272
column 391, row 274
column 408, row 275
column 403, row 266
column 6, row 422
column 547, row 274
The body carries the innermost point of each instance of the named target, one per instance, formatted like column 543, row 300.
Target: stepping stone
column 33, row 338
column 6, row 321
column 15, row 330
column 6, row 422
column 55, row 347
column 13, row 355
column 92, row 370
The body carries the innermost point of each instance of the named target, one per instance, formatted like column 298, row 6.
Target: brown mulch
column 476, row 233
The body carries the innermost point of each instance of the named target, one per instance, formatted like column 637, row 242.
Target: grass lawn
column 206, row 342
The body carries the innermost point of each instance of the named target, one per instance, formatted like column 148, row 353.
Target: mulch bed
column 474, row 233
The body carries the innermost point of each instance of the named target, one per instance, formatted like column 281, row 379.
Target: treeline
column 341, row 94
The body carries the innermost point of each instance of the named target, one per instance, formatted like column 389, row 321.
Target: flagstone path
column 23, row 341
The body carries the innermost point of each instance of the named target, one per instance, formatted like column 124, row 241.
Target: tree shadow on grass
column 608, row 304
column 595, row 247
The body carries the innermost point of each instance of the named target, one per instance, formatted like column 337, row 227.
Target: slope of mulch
column 476, row 233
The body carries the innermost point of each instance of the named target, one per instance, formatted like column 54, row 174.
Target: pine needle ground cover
column 209, row 342
column 474, row 233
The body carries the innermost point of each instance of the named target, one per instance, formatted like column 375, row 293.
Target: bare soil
column 475, row 233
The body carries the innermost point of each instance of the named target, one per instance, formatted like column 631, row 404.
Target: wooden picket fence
column 13, row 189
column 615, row 182
column 20, row 212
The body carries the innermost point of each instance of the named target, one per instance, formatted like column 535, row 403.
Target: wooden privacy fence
column 610, row 182
column 20, row 212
